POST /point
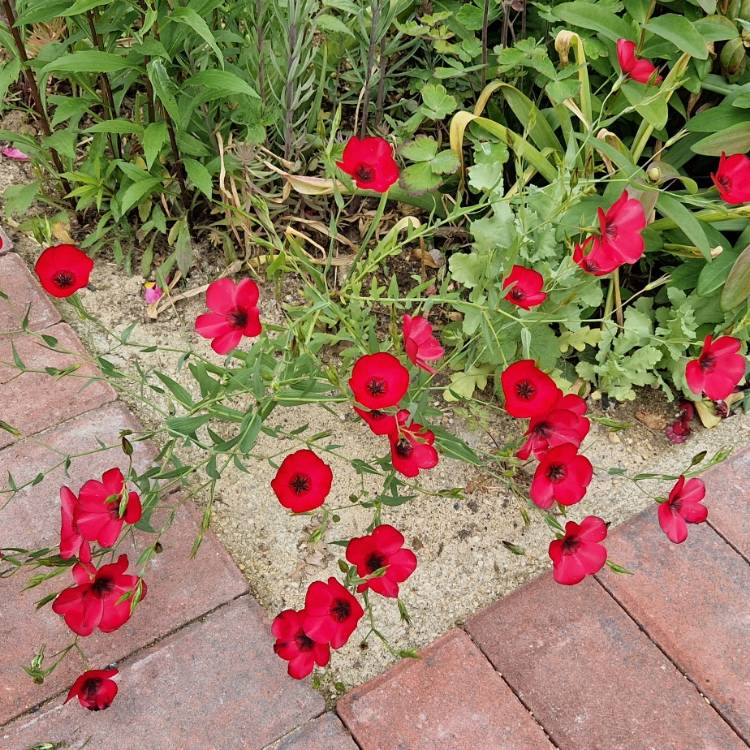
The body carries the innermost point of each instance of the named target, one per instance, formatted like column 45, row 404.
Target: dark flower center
column 102, row 586
column 376, row 386
column 365, row 173
column 556, row 472
column 64, row 279
column 707, row 362
column 525, row 389
column 542, row 430
column 610, row 230
column 304, row 643
column 590, row 266
column 341, row 610
column 517, row 294
column 404, row 447
column 91, row 687
column 570, row 544
column 300, row 483
column 238, row 318
column 374, row 562
column 724, row 181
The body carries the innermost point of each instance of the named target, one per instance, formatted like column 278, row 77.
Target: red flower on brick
column 370, row 163
column 63, row 270
column 718, row 369
column 562, row 475
column 379, row 380
column 419, row 342
column 564, row 424
column 528, row 391
column 380, row 422
column 331, row 613
column 732, row 178
column 683, row 506
column 579, row 553
column 94, row 689
column 234, row 314
column 71, row 540
column 94, row 602
column 412, row 446
column 294, row 646
column 637, row 68
column 383, row 548
column 303, row 481
column 526, row 290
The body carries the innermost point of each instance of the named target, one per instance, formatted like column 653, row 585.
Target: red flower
column 331, row 613
column 419, row 342
column 637, row 68
column 379, row 380
column 718, row 369
column 379, row 422
column 578, row 554
column 683, row 507
column 292, row 645
column 562, row 475
column 564, row 424
column 303, row 481
column 679, row 430
column 529, row 392
column 370, row 163
column 383, row 548
column 93, row 601
column 63, row 270
column 94, row 689
column 527, row 287
column 598, row 261
column 71, row 540
column 732, row 178
column 234, row 314
column 412, row 447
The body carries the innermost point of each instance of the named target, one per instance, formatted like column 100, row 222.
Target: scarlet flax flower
column 637, row 68
column 528, row 391
column 732, row 178
column 94, row 689
column 331, row 613
column 15, row 154
column 63, row 270
column 94, row 602
column 295, row 647
column 419, row 342
column 380, row 422
column 579, row 553
column 683, row 506
column 718, row 369
column 564, row 424
column 412, row 446
column 562, row 475
column 679, row 430
column 303, row 481
column 526, row 287
column 383, row 548
column 234, row 314
column 379, row 380
column 370, row 163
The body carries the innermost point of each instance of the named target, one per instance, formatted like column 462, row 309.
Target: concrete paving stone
column 22, row 294
column 214, row 685
column 590, row 676
column 324, row 733
column 449, row 699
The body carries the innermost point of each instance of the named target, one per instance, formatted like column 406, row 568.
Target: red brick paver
column 449, row 699
column 24, row 295
column 324, row 733
column 693, row 599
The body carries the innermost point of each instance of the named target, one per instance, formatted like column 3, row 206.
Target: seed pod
column 733, row 57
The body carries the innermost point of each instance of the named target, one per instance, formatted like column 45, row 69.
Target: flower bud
column 654, row 174
column 733, row 57
column 563, row 40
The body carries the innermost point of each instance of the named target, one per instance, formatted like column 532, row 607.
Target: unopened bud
column 654, row 174
column 563, row 40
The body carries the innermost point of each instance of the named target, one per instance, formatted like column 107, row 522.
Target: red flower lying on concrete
column 331, row 613
column 294, row 646
column 679, row 430
column 63, row 270
column 683, row 506
column 718, row 369
column 578, row 554
column 383, row 548
column 419, row 342
column 369, row 161
column 526, row 287
column 412, row 447
column 95, row 600
column 732, row 178
column 94, row 689
column 529, row 392
column 234, row 314
column 379, row 380
column 562, row 475
column 303, row 481
column 564, row 424
column 379, row 422
column 637, row 68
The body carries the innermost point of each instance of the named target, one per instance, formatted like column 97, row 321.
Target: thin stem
column 370, row 65
column 485, row 32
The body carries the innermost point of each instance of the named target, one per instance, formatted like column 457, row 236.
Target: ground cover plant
column 511, row 206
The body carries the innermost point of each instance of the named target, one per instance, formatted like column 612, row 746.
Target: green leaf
column 419, row 178
column 123, row 127
column 178, row 391
column 732, row 140
column 137, row 191
column 714, row 274
column 648, row 102
column 189, row 17
column 154, row 138
column 681, row 32
column 220, row 83
column 86, row 61
column 590, row 15
column 81, row 6
column 673, row 209
column 438, row 103
column 331, row 23
column 164, row 88
column 737, row 287
column 422, row 148
column 18, row 198
column 186, row 426
column 199, row 176
column 446, row 162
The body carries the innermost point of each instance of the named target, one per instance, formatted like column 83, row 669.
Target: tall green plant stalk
column 374, row 29
column 485, row 37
